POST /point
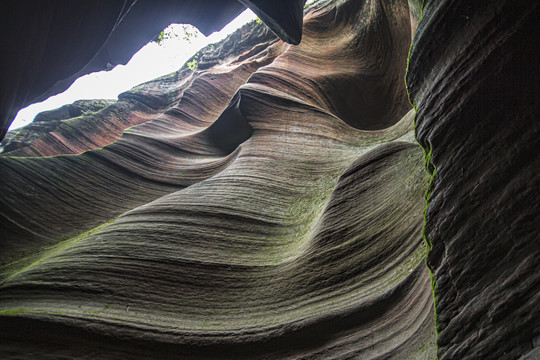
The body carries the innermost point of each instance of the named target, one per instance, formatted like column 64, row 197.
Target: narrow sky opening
column 152, row 61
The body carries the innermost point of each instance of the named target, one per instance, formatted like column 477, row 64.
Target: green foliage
column 161, row 37
column 194, row 63
column 187, row 33
column 190, row 32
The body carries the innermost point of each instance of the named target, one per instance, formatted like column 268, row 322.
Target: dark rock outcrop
column 475, row 80
column 284, row 19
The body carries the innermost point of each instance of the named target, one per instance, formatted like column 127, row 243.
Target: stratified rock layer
column 475, row 79
column 78, row 127
column 47, row 45
column 271, row 208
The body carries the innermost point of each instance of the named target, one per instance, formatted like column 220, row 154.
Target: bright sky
column 150, row 62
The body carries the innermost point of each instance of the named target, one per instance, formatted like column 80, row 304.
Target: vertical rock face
column 268, row 205
column 474, row 78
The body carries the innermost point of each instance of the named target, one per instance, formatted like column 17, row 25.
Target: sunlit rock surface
column 268, row 205
column 47, row 45
column 51, row 122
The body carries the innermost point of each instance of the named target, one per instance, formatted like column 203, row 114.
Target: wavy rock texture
column 270, row 207
column 46, row 122
column 474, row 78
column 49, row 44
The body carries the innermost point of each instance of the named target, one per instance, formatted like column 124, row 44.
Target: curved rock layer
column 474, row 78
column 64, row 131
column 271, row 209
column 46, row 122
column 49, row 44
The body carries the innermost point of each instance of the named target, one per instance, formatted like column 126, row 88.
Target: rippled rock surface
column 268, row 205
column 52, row 122
column 474, row 78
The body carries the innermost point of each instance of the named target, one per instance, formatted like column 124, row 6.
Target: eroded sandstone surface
column 287, row 202
column 267, row 205
column 474, row 78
